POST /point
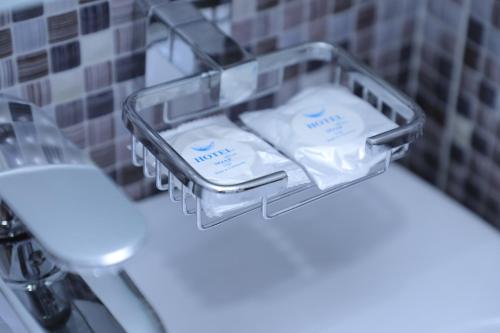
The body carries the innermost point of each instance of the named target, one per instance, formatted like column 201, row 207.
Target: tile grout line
column 417, row 42
column 450, row 111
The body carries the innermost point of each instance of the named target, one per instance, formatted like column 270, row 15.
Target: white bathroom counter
column 390, row 255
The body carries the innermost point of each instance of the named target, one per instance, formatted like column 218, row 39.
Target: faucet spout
column 55, row 300
column 65, row 231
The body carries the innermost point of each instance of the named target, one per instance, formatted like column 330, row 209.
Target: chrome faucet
column 65, row 230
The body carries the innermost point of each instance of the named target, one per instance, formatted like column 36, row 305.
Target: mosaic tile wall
column 458, row 85
column 80, row 59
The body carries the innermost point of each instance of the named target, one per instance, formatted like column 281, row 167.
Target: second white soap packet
column 223, row 153
column 324, row 129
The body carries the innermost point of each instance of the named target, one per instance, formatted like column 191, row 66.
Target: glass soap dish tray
column 278, row 76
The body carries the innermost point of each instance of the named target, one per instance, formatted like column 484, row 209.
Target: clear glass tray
column 268, row 81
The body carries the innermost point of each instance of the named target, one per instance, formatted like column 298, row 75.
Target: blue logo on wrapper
column 315, row 115
column 209, row 152
column 204, row 148
column 221, row 160
column 319, row 124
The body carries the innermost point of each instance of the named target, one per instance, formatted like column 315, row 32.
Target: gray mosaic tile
column 267, row 23
column 482, row 10
column 29, row 35
column 130, row 37
column 124, row 11
column 495, row 15
column 32, row 66
column 97, row 47
column 104, row 155
column 366, row 16
column 67, row 85
column 487, row 94
column 100, row 104
column 4, row 17
column 318, row 9
column 63, row 26
column 69, row 113
column 65, row 56
column 76, row 134
column 242, row 31
column 101, row 130
column 266, row 4
column 27, row 12
column 5, row 43
column 342, row 5
column 94, row 18
column 242, row 9
column 98, row 76
column 294, row 13
column 318, row 30
column 130, row 66
column 37, row 92
column 492, row 69
column 7, row 73
column 59, row 6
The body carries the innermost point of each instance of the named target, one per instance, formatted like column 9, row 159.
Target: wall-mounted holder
column 321, row 63
column 262, row 82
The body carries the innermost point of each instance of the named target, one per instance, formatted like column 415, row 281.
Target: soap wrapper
column 223, row 153
column 324, row 129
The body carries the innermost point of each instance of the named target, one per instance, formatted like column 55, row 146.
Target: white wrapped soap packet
column 223, row 153
column 324, row 129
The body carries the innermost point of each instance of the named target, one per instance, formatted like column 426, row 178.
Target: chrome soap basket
column 278, row 76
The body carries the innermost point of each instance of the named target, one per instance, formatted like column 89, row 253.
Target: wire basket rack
column 278, row 76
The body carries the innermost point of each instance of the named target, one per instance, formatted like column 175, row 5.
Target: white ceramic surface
column 9, row 323
column 391, row 255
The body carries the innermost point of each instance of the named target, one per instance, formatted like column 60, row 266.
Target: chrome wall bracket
column 195, row 46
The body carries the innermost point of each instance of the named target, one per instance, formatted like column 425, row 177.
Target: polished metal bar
column 172, row 188
column 347, row 69
column 159, row 180
column 146, row 165
column 185, row 198
column 136, row 161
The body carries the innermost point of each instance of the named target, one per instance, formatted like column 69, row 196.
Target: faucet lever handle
column 75, row 213
column 78, row 216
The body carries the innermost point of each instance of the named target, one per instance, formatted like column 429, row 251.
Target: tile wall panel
column 84, row 57
column 80, row 59
column 458, row 56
